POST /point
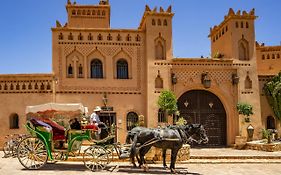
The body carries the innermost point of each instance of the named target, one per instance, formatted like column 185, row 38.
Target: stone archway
column 204, row 107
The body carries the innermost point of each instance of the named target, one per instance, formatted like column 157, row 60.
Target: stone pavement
column 209, row 167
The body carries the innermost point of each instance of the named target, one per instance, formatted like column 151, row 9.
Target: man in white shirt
column 94, row 118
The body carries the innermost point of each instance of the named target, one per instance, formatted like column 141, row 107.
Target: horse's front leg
column 164, row 158
column 174, row 154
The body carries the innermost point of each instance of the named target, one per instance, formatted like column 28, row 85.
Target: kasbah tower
column 130, row 67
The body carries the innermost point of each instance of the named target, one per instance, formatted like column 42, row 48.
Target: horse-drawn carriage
column 50, row 141
column 53, row 138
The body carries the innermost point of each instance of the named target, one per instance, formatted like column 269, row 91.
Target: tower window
column 122, row 69
column 153, row 22
column 88, row 12
column 128, row 38
column 96, row 69
column 158, row 81
column 14, row 121
column 159, row 22
column 23, row 87
column 98, row 13
column 226, row 28
column 159, row 51
column 243, row 48
column 80, row 37
column 242, row 24
column 42, row 87
column 99, row 37
column 263, row 57
column 36, row 86
column 247, row 25
column 237, row 25
column 278, row 55
column 60, row 36
column 268, row 57
column 90, row 37
column 248, row 83
column 109, row 37
column 222, row 31
column 103, row 13
column 70, row 36
column 119, row 38
column 29, row 86
column 138, row 38
column 73, row 12
column 273, row 56
column 165, row 22
column 17, row 87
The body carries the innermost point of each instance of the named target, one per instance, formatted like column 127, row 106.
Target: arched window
column 268, row 57
column 80, row 71
column 270, row 122
column 243, row 47
column 96, row 69
column 29, row 86
column 99, row 37
column 159, row 22
column 278, row 55
column 60, row 36
column 73, row 12
column 14, row 121
column 103, row 13
column 90, row 37
column 161, row 116
column 42, row 87
column 237, row 25
column 153, row 22
column 88, row 12
column 248, row 83
column 70, row 36
column 132, row 120
column 109, row 37
column 70, row 71
column 158, row 81
column 242, row 24
column 122, row 69
column 159, row 51
column 165, row 22
column 128, row 38
column 273, row 56
column 23, row 87
column 80, row 37
column 247, row 25
column 263, row 57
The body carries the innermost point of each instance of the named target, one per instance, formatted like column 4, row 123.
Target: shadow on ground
column 120, row 169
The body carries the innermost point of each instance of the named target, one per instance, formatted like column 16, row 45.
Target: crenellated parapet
column 158, row 13
column 232, row 15
column 26, row 83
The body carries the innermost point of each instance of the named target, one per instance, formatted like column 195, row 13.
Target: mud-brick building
column 126, row 69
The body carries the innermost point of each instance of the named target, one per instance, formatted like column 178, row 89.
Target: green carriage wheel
column 95, row 158
column 32, row 153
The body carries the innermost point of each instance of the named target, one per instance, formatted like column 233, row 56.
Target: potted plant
column 167, row 102
column 246, row 110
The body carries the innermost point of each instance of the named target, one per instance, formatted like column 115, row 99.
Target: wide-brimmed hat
column 97, row 109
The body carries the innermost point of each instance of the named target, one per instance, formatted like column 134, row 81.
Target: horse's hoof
column 173, row 171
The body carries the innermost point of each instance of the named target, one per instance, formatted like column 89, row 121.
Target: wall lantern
column 105, row 99
column 205, row 80
column 250, row 131
column 235, row 79
column 174, row 78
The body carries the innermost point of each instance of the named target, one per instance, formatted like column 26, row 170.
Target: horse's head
column 198, row 133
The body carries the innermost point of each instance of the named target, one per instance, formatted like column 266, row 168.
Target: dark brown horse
column 172, row 137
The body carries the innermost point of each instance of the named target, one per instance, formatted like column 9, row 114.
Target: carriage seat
column 58, row 130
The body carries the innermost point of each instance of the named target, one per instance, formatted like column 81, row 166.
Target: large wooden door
column 199, row 106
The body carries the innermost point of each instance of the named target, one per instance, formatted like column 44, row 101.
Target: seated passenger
column 75, row 124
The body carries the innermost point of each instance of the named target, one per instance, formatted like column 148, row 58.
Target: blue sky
column 26, row 44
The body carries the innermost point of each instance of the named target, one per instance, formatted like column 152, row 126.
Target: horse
column 172, row 137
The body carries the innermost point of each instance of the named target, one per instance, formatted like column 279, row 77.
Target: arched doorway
column 199, row 106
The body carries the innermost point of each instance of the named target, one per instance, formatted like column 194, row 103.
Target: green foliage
column 167, row 101
column 265, row 133
column 181, row 121
column 245, row 109
column 272, row 90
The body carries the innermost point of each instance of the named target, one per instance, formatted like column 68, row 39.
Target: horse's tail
column 129, row 137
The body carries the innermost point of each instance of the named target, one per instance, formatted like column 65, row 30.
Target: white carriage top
column 57, row 107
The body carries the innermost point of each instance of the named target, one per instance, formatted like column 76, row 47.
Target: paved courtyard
column 12, row 166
